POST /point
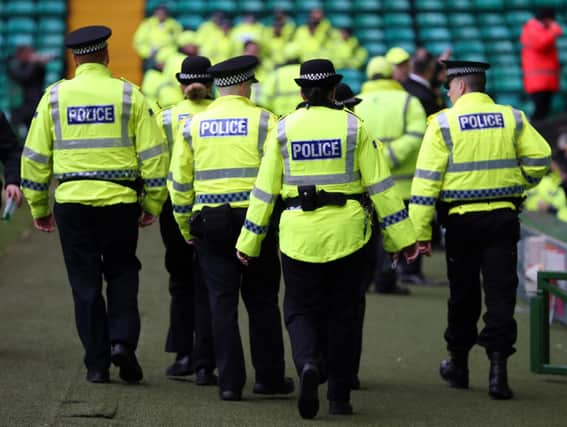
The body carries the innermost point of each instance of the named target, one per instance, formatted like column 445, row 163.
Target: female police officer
column 322, row 162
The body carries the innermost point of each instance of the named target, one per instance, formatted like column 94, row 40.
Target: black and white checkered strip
column 234, row 79
column 316, row 76
column 185, row 76
column 85, row 50
column 464, row 70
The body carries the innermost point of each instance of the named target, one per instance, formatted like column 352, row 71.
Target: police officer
column 97, row 136
column 398, row 120
column 189, row 308
column 476, row 161
column 322, row 160
column 214, row 165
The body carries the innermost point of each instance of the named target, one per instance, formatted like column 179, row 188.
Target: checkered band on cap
column 185, row 76
column 459, row 71
column 316, row 76
column 234, row 79
column 85, row 50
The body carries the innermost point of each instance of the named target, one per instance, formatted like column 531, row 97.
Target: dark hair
column 476, row 82
column 422, row 62
column 317, row 94
column 545, row 13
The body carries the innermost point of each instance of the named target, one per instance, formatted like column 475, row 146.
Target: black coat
column 429, row 100
column 10, row 152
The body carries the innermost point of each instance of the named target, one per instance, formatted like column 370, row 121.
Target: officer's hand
column 191, row 242
column 45, row 224
column 411, row 253
column 243, row 258
column 424, row 248
column 394, row 258
column 14, row 192
column 146, row 219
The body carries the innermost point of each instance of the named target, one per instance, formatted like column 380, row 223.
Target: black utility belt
column 136, row 185
column 310, row 199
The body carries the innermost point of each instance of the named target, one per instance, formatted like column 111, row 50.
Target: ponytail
column 195, row 91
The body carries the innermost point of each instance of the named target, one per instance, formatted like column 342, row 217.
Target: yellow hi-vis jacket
column 152, row 35
column 280, row 94
column 550, row 192
column 330, row 149
column 159, row 90
column 216, row 156
column 476, row 150
column 93, row 132
column 398, row 120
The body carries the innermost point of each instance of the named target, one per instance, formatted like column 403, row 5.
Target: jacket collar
column 328, row 104
column 92, row 68
column 473, row 98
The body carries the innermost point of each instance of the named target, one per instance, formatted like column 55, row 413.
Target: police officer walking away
column 97, row 137
column 189, row 308
column 476, row 161
column 213, row 168
column 322, row 161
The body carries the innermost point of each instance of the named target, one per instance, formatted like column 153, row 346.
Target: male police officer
column 96, row 135
column 476, row 161
column 215, row 161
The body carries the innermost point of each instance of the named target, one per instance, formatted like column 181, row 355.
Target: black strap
column 135, row 185
column 309, row 199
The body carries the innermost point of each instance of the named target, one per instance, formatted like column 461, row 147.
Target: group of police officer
column 307, row 185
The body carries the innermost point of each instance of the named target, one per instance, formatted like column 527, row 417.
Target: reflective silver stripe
column 151, row 152
column 544, row 161
column 352, row 134
column 416, row 134
column 445, row 131
column 183, row 188
column 35, row 156
column 187, row 132
column 395, row 161
column 263, row 196
column 340, row 178
column 380, row 186
column 226, row 173
column 282, row 139
column 263, row 131
column 426, row 174
column 126, row 108
column 54, row 103
column 482, row 165
column 69, row 144
column 405, row 113
column 519, row 124
column 166, row 120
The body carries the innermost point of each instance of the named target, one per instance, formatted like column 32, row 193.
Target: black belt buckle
column 307, row 197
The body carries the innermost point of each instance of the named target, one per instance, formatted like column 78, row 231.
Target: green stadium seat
column 376, row 49
column 517, row 18
column 465, row 5
column 427, row 5
column 340, row 20
column 252, row 6
column 367, row 6
column 489, row 4
column 353, row 78
column 499, row 47
column 405, row 34
column 558, row 103
column 465, row 33
column 52, row 8
column 227, row 6
column 513, row 99
column 15, row 40
column 19, row 8
column 51, row 25
column 190, row 22
column 462, row 20
column 437, row 47
column 397, row 5
column 487, row 19
column 468, row 56
column 50, row 41
column 370, row 35
column 21, row 25
column 467, row 46
column 507, row 84
column 367, row 21
column 186, row 7
column 495, row 33
column 506, row 59
column 519, row 4
column 52, row 77
column 434, row 33
column 562, row 47
column 338, row 6
column 286, row 5
column 407, row 45
column 431, row 19
column 397, row 20
column 307, row 5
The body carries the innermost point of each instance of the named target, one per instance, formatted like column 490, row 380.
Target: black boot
column 498, row 377
column 455, row 370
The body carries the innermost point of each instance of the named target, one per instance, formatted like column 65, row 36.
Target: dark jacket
column 429, row 100
column 10, row 151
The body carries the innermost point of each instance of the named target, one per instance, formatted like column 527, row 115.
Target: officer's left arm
column 408, row 144
column 534, row 153
column 153, row 155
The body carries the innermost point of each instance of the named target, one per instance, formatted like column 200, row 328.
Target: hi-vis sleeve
column 393, row 216
column 262, row 200
column 426, row 185
column 153, row 156
column 532, row 150
column 180, row 178
column 37, row 160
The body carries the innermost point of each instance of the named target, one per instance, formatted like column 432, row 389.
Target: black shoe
column 286, row 386
column 98, row 376
column 180, row 368
column 340, row 408
column 125, row 359
column 455, row 372
column 396, row 290
column 355, row 385
column 498, row 387
column 308, row 400
column 204, row 377
column 230, row 395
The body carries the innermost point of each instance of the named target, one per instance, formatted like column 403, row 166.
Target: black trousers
column 101, row 242
column 258, row 283
column 542, row 104
column 320, row 308
column 189, row 313
column 482, row 244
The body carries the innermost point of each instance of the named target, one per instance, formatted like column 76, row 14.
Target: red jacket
column 540, row 60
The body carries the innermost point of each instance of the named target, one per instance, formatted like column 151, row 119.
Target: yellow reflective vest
column 152, row 35
column 280, row 94
column 330, row 149
column 216, row 156
column 549, row 192
column 477, row 153
column 96, row 134
column 398, row 120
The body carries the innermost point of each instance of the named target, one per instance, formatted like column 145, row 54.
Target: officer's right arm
column 37, row 160
column 180, row 179
column 393, row 216
column 262, row 200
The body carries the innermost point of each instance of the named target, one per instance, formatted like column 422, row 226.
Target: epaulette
column 434, row 115
column 53, row 84
column 128, row 81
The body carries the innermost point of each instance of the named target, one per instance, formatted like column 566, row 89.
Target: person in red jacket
column 540, row 60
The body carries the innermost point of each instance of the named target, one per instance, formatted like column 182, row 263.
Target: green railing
column 539, row 319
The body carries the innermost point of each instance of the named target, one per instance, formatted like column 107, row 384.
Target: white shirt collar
column 420, row 79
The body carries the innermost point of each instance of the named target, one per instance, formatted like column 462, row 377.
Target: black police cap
column 234, row 71
column 88, row 39
column 194, row 69
column 318, row 72
column 463, row 68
